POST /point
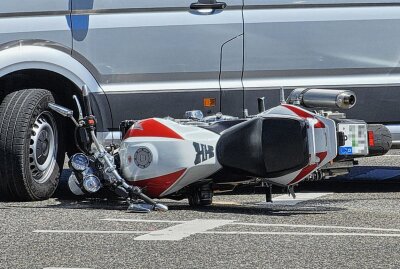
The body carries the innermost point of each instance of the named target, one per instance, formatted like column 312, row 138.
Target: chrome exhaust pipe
column 323, row 98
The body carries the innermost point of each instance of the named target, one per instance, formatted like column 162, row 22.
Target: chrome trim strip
column 177, row 9
column 187, row 77
column 325, row 5
column 321, row 72
column 163, row 77
column 131, row 90
column 35, row 14
column 324, row 86
column 35, row 42
column 141, row 10
column 101, row 11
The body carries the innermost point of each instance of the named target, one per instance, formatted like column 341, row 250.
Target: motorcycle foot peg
column 138, row 208
column 160, row 207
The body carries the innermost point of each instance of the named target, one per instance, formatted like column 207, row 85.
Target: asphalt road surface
column 353, row 222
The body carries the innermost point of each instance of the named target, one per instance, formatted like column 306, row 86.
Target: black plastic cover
column 220, row 126
column 265, row 147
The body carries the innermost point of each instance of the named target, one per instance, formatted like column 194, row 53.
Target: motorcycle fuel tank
column 163, row 156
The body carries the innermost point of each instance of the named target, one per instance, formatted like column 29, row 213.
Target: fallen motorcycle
column 193, row 157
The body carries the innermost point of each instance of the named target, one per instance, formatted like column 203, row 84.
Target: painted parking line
column 65, row 268
column 179, row 236
column 205, row 226
column 283, row 225
column 315, row 226
column 88, row 232
column 173, row 233
column 303, row 234
column 227, row 203
column 145, row 220
column 300, row 197
column 180, row 231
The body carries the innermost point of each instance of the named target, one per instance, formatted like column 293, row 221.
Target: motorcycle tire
column 32, row 151
column 196, row 200
column 382, row 140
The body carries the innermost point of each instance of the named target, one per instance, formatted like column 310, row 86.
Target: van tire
column 32, row 151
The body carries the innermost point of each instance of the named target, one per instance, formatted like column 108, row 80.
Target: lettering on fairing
column 203, row 152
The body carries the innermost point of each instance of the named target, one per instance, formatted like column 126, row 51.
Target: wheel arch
column 45, row 55
column 52, row 68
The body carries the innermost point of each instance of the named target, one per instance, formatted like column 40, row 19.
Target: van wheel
column 31, row 146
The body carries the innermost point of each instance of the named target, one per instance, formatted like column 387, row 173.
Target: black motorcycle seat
column 265, row 147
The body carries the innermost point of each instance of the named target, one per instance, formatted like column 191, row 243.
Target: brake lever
column 86, row 100
column 65, row 112
column 78, row 105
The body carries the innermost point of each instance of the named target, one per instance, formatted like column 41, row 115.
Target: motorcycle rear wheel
column 197, row 199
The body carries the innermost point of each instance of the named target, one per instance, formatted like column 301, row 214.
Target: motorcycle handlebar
column 86, row 100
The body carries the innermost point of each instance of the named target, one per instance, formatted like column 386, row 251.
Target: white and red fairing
column 173, row 161
column 322, row 141
column 163, row 156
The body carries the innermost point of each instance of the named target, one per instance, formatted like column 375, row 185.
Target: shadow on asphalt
column 105, row 204
column 277, row 210
column 358, row 181
column 361, row 179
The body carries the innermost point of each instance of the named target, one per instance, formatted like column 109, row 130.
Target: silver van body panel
column 165, row 57
column 328, row 46
column 35, row 19
column 151, row 58
column 33, row 7
column 325, row 43
column 169, row 49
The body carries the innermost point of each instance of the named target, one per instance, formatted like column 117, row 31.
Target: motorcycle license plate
column 356, row 139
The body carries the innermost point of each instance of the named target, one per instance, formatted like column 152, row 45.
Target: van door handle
column 216, row 5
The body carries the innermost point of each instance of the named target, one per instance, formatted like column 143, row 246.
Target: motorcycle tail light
column 371, row 140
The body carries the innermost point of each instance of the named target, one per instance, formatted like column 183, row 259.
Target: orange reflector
column 371, row 141
column 209, row 102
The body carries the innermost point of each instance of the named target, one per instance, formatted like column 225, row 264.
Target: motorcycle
column 194, row 157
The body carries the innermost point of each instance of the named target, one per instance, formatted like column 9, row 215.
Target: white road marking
column 89, row 232
column 304, row 233
column 65, row 268
column 226, row 203
column 315, row 226
column 145, row 220
column 300, row 197
column 268, row 225
column 178, row 235
column 184, row 230
column 203, row 226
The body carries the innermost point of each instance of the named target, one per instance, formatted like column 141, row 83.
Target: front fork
column 133, row 193
column 111, row 175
